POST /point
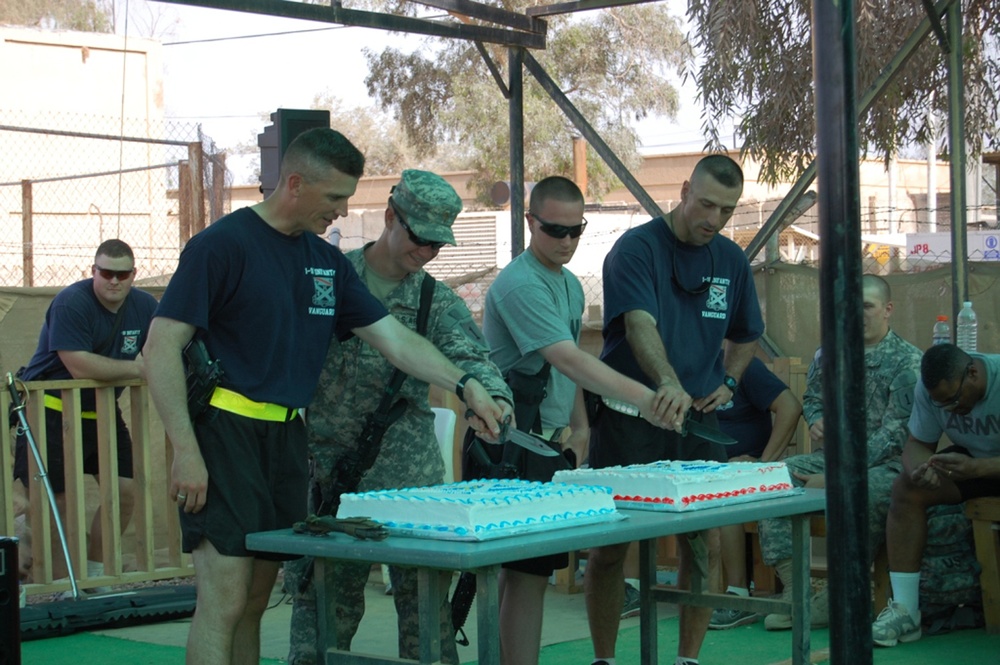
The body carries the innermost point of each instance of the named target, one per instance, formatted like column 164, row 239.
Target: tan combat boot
column 819, row 604
column 782, row 621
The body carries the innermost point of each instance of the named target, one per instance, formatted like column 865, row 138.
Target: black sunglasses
column 953, row 401
column 559, row 231
column 701, row 288
column 107, row 273
column 414, row 238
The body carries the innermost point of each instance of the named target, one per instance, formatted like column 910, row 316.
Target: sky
column 223, row 69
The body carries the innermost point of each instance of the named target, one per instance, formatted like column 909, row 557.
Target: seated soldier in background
column 891, row 365
column 957, row 396
column 759, row 397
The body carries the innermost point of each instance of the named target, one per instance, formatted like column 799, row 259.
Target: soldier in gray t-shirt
column 532, row 317
column 958, row 396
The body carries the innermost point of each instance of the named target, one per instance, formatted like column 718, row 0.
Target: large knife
column 702, row 431
column 525, row 440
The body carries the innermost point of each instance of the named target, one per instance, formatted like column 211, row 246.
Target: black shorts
column 258, row 480
column 974, row 487
column 618, row 439
column 471, row 470
column 55, row 463
column 542, row 566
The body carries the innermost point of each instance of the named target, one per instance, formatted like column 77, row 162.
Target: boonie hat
column 428, row 204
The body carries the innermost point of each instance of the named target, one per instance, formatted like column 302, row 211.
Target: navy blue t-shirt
column 638, row 275
column 748, row 420
column 77, row 321
column 267, row 304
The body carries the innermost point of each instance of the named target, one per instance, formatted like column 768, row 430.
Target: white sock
column 906, row 591
column 95, row 568
column 632, row 582
column 681, row 660
column 738, row 591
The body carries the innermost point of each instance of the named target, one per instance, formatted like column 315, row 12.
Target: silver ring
column 182, row 497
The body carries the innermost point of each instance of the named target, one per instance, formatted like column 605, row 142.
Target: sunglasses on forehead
column 108, row 274
column 414, row 238
column 559, row 231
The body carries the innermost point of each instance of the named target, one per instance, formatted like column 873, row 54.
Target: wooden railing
column 149, row 549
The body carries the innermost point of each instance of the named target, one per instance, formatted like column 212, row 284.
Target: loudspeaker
column 10, row 607
column 288, row 123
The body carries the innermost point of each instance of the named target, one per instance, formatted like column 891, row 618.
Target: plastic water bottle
column 942, row 331
column 966, row 328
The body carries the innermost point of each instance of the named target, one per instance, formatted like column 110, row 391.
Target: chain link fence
column 68, row 182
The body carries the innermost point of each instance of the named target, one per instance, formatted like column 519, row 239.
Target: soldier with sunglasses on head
column 418, row 223
column 93, row 329
column 532, row 322
column 675, row 292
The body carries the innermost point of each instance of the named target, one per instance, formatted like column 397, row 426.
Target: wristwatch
column 730, row 383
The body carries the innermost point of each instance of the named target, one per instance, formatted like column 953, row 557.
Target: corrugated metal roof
column 476, row 235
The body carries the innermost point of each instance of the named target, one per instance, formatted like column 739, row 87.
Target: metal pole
column 956, row 146
column 515, row 106
column 593, row 138
column 44, row 477
column 840, row 317
column 27, row 235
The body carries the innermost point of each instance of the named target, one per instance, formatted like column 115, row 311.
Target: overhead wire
column 121, row 129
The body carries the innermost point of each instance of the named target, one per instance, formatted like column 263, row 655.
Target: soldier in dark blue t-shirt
column 93, row 329
column 762, row 418
column 267, row 295
column 675, row 291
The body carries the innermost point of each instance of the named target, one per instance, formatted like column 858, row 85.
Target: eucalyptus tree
column 82, row 15
column 617, row 66
column 754, row 65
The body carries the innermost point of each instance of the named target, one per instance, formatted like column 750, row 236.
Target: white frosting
column 679, row 486
column 480, row 509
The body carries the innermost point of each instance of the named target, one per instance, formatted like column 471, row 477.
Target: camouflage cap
column 428, row 204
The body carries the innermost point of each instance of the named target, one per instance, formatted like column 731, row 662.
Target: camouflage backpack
column 949, row 573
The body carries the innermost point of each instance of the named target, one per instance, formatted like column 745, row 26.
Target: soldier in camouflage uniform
column 891, row 370
column 418, row 222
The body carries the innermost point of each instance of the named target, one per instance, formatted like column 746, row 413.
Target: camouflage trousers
column 349, row 605
column 776, row 534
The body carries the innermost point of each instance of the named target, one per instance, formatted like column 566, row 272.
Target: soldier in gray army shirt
column 418, row 222
column 892, row 366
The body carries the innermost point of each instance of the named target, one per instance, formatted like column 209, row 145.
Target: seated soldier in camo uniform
column 891, row 367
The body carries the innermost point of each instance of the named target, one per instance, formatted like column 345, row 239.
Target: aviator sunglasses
column 414, row 238
column 558, row 231
column 108, row 274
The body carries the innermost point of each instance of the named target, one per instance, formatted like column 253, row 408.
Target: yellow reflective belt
column 54, row 403
column 233, row 402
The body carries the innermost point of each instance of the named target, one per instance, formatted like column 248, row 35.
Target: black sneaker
column 632, row 606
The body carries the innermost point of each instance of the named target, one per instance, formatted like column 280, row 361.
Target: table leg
column 648, row 645
column 326, row 595
column 801, row 590
column 430, row 615
column 488, row 615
